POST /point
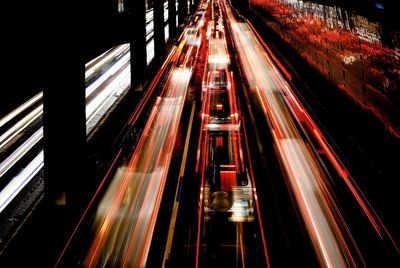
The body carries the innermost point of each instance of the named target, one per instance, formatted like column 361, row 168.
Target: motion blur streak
column 107, row 74
column 227, row 196
column 303, row 118
column 19, row 182
column 113, row 81
column 118, row 83
column 305, row 122
column 20, row 151
column 306, row 179
column 324, row 232
column 20, row 126
column 20, row 109
column 99, row 62
column 127, row 214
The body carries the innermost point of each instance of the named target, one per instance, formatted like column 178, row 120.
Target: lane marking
column 178, row 190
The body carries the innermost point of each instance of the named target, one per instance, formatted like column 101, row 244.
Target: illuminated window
column 166, row 11
column 121, row 6
column 176, row 9
column 166, row 32
column 166, row 16
column 149, row 31
column 150, row 51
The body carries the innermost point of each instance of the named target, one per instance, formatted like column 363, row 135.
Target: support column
column 172, row 18
column 193, row 5
column 182, row 11
column 64, row 112
column 243, row 6
column 159, row 35
column 137, row 37
column 64, row 126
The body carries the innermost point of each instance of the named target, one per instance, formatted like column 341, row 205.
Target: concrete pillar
column 242, row 6
column 64, row 108
column 137, row 20
column 182, row 11
column 193, row 5
column 172, row 18
column 159, row 36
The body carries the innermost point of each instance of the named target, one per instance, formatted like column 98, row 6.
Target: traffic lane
column 305, row 181
column 183, row 249
column 224, row 241
column 266, row 231
column 368, row 151
column 16, row 134
column 300, row 169
column 287, row 242
column 340, row 182
column 276, row 120
column 183, row 245
column 232, row 236
column 128, row 211
column 351, row 201
column 228, row 240
column 173, row 182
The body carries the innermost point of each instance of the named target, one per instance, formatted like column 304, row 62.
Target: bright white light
column 19, row 182
column 20, row 109
column 15, row 156
column 107, row 75
column 183, row 73
column 150, row 51
column 166, row 33
column 110, row 88
column 20, row 126
column 166, row 13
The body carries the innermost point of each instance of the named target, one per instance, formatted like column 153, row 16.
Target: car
column 193, row 37
column 201, row 11
column 218, row 79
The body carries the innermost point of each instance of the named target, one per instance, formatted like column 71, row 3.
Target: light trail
column 139, row 182
column 93, row 66
column 119, row 83
column 306, row 123
column 16, row 155
column 107, row 75
column 128, row 211
column 227, row 194
column 218, row 54
column 20, row 109
column 19, row 182
column 307, row 181
column 20, row 126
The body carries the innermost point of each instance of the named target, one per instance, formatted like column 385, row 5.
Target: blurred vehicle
column 227, row 187
column 218, row 57
column 218, row 79
column 193, row 36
